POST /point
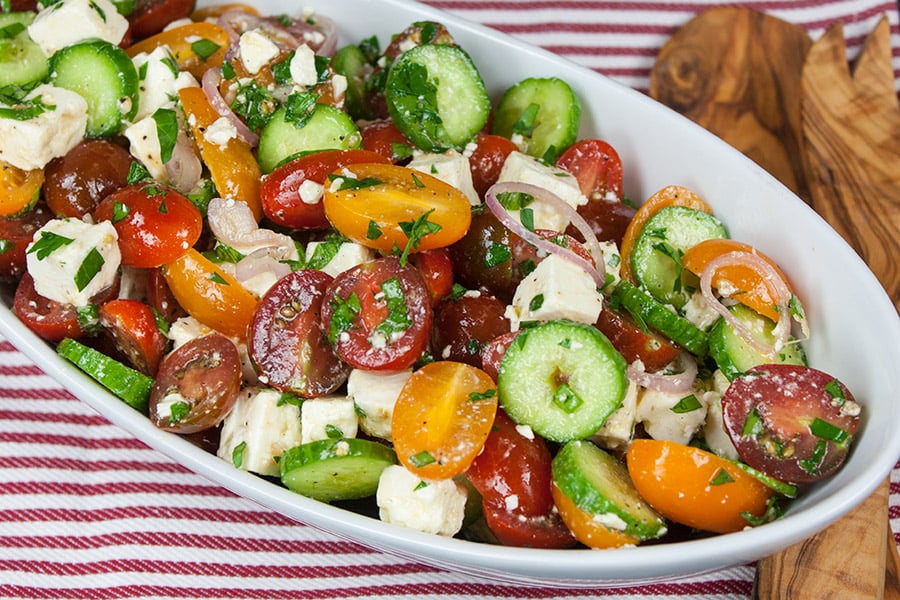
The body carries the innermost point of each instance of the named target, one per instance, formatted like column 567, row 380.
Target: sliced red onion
column 322, row 25
column 264, row 260
column 236, row 22
column 233, row 224
column 666, row 382
column 777, row 286
column 210, row 84
column 595, row 269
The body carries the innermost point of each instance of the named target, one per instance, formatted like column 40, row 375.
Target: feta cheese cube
column 257, row 50
column 303, row 66
column 556, row 289
column 160, row 81
column 430, row 506
column 322, row 418
column 183, row 170
column 33, row 143
column 450, row 167
column 348, row 256
column 618, row 429
column 654, row 411
column 71, row 21
column 71, row 261
column 375, row 393
column 522, row 168
column 258, row 430
column 699, row 312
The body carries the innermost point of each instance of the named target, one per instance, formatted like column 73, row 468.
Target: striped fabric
column 87, row 511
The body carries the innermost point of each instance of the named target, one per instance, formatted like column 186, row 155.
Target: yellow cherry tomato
column 18, row 188
column 210, row 295
column 384, row 206
column 442, row 418
column 195, row 47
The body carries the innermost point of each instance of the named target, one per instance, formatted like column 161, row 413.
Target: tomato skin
column 49, row 319
column 585, row 528
column 159, row 226
column 492, row 352
column 132, row 326
column 436, row 270
column 442, row 418
column 608, row 220
column 206, row 373
column 76, row 182
column 464, row 325
column 15, row 235
column 210, row 295
column 19, row 189
column 597, row 167
column 151, row 16
column 278, row 192
column 351, row 334
column 684, row 484
column 634, row 343
column 286, row 341
column 787, row 399
column 487, row 160
column 383, row 138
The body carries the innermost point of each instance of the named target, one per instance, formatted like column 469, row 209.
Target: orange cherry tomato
column 214, row 12
column 752, row 288
column 232, row 166
column 695, row 487
column 210, row 295
column 376, row 202
column 672, row 195
column 442, row 418
column 19, row 189
column 587, row 529
column 182, row 42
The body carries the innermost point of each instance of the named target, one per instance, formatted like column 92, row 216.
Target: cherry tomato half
column 792, row 422
column 597, row 167
column 280, row 191
column 156, row 225
column 383, row 138
column 286, row 341
column 197, row 384
column 436, row 269
column 76, row 182
column 19, row 189
column 487, row 160
column 49, row 319
column 635, row 342
column 132, row 326
column 151, row 16
column 442, row 418
column 388, row 206
column 378, row 315
column 15, row 235
column 462, row 326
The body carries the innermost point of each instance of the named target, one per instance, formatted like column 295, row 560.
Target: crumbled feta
column 303, row 66
column 183, row 170
column 160, row 81
column 72, row 21
column 654, row 411
column 257, row 50
column 325, row 417
column 450, row 167
column 522, row 168
column 348, row 256
column 618, row 429
column 430, row 506
column 220, row 132
column 311, row 192
column 375, row 393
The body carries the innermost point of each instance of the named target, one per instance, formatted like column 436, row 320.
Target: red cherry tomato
column 132, row 326
column 464, row 325
column 597, row 167
column 378, row 315
column 160, row 297
column 487, row 160
column 634, row 342
column 49, row 319
column 286, row 341
column 15, row 235
column 436, row 269
column 75, row 183
column 197, row 384
column 156, row 225
column 608, row 220
column 512, row 473
column 279, row 191
column 792, row 422
column 492, row 352
column 151, row 16
column 383, row 137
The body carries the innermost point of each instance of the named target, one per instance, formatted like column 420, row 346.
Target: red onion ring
column 776, row 285
column 664, row 382
column 596, row 269
column 264, row 260
column 210, row 85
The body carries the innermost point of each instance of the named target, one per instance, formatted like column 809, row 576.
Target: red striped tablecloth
column 87, row 511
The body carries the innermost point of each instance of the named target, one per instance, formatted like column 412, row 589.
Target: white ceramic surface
column 856, row 330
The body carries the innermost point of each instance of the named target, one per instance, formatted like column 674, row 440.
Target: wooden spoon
column 742, row 74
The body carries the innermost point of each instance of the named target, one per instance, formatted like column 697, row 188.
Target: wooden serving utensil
column 792, row 106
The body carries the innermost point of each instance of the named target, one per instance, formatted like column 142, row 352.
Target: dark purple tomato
column 75, row 183
column 464, row 325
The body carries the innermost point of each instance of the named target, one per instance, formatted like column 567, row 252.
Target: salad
column 350, row 270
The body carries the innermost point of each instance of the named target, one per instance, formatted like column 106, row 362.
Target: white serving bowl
column 856, row 331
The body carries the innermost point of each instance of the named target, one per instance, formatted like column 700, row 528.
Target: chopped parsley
column 422, row 458
column 178, row 411
column 496, row 254
column 687, row 404
column 397, row 319
column 566, row 398
column 204, row 48
column 299, row 109
column 373, row 232
column 167, row 131
column 88, row 269
column 344, row 313
column 721, row 477
column 48, row 243
column 527, row 121
column 415, row 231
column 479, row 396
column 237, row 455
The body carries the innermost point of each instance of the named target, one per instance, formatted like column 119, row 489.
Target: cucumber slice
column 351, row 62
column 647, row 310
column 335, row 469
column 436, row 97
column 105, row 77
column 128, row 384
column 599, row 484
column 563, row 379
column 22, row 61
column 656, row 255
column 544, row 111
column 328, row 128
column 734, row 355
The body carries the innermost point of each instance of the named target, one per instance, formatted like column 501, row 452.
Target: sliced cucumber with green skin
column 335, row 469
column 788, row 490
column 436, row 97
column 105, row 77
column 656, row 255
column 22, row 62
column 545, row 112
column 734, row 355
column 128, row 384
column 562, row 379
column 327, row 129
column 647, row 310
column 351, row 62
column 599, row 484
